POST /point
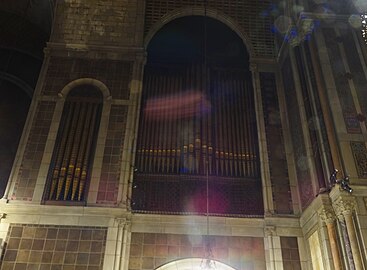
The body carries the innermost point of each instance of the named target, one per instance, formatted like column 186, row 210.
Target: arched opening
column 197, row 123
column 191, row 264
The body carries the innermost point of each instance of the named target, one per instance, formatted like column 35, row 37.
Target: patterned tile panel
column 42, row 247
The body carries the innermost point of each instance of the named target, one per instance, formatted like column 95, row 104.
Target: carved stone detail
column 270, row 231
column 344, row 206
column 326, row 215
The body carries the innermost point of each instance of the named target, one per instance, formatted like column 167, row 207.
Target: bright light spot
column 364, row 26
column 177, row 106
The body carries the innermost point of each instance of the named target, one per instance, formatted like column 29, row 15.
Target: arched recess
column 62, row 111
column 87, row 81
column 192, row 264
column 200, row 11
column 197, row 121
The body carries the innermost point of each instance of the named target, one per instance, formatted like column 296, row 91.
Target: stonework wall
column 150, row 250
column 95, row 22
column 54, row 247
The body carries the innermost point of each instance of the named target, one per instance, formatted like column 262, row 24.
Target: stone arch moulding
column 191, row 264
column 200, row 11
column 86, row 81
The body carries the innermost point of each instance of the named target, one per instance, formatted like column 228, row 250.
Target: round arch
column 89, row 81
column 192, row 264
column 200, row 11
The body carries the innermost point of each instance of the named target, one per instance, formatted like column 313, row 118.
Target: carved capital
column 344, row 206
column 120, row 221
column 326, row 215
column 269, row 231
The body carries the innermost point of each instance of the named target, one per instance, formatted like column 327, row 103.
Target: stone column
column 117, row 244
column 344, row 208
column 128, row 156
column 328, row 217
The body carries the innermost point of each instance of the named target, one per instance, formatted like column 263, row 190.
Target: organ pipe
column 198, row 121
column 74, row 146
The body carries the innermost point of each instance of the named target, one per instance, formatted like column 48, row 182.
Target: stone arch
column 200, row 11
column 87, row 81
column 192, row 264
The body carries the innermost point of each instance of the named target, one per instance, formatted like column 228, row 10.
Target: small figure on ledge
column 344, row 182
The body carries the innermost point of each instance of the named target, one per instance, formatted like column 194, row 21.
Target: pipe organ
column 74, row 148
column 195, row 123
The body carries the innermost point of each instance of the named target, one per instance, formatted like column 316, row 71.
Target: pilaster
column 273, row 251
column 117, row 244
column 327, row 216
column 264, row 157
column 344, row 206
